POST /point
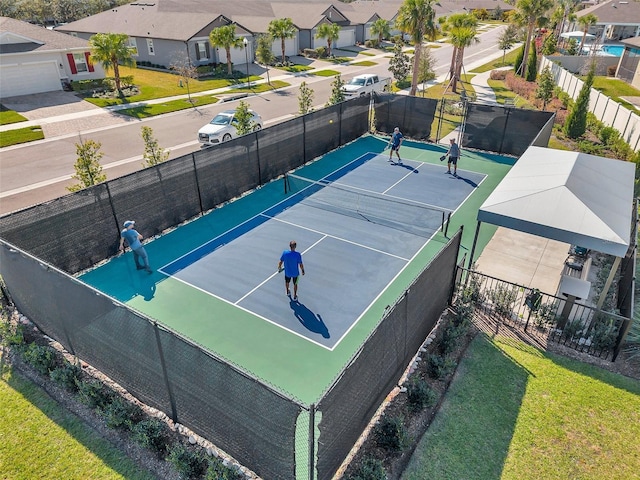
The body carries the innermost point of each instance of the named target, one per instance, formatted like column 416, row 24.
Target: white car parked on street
column 223, row 127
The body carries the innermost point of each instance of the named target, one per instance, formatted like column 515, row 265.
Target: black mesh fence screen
column 503, row 130
column 354, row 118
column 322, row 131
column 413, row 115
column 281, row 148
column 544, row 135
column 72, row 232
column 351, row 402
column 234, row 411
column 159, row 197
column 227, row 171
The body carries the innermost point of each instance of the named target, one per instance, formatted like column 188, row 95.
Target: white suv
column 223, row 128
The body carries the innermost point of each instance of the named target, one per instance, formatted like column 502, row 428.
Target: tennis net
column 395, row 212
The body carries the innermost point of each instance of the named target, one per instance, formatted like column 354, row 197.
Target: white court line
column 337, row 238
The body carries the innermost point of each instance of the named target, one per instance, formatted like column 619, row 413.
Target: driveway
column 49, row 104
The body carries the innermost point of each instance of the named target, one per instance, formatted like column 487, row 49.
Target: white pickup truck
column 363, row 84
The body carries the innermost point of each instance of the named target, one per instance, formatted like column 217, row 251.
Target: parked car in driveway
column 223, row 127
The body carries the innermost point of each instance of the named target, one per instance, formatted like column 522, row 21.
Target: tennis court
column 364, row 226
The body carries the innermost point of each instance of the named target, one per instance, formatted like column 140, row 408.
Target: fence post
column 195, row 171
column 312, row 430
column 165, row 375
column 626, row 325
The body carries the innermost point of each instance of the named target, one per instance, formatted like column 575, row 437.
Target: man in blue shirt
column 395, row 142
column 133, row 240
column 292, row 262
column 454, row 154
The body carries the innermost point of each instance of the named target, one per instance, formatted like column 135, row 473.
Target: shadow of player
column 308, row 319
column 466, row 180
column 404, row 165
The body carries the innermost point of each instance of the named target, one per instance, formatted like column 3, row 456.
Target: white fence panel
column 606, row 110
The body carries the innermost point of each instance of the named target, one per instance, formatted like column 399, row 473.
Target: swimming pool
column 615, row 50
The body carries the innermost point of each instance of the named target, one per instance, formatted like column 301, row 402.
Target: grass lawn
column 10, row 116
column 615, row 89
column 364, row 63
column 155, row 84
column 295, row 68
column 40, row 439
column 326, row 73
column 514, row 412
column 509, row 60
column 21, row 135
column 145, row 111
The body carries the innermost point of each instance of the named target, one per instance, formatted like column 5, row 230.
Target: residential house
column 162, row 30
column 617, row 20
column 629, row 64
column 34, row 59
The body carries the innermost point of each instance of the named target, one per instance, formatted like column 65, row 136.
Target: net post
column 446, row 227
column 284, row 179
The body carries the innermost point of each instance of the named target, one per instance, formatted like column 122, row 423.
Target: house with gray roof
column 162, row 30
column 617, row 20
column 35, row 60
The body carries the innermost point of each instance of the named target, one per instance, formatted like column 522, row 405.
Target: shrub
column 608, row 135
column 545, row 315
column 121, row 413
column 10, row 333
column 67, row 376
column 420, row 394
column 372, row 43
column 93, row 394
column 438, row 367
column 571, row 329
column 218, row 471
column 321, row 52
column 391, row 434
column 503, row 297
column 310, row 53
column 188, row 462
column 498, row 74
column 41, row 358
column 604, row 336
column 449, row 338
column 611, row 70
column 151, row 433
column 370, row 469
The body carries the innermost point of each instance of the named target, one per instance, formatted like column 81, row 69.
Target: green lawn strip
column 21, row 135
column 150, row 110
column 515, row 412
column 42, row 440
column 364, row 63
column 368, row 54
column 326, row 73
column 8, row 116
column 257, row 87
column 509, row 60
column 337, row 60
column 295, row 68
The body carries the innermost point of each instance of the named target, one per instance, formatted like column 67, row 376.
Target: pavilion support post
column 607, row 285
column 473, row 247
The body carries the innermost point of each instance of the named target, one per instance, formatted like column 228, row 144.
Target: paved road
column 40, row 171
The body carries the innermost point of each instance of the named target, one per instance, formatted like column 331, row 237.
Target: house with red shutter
column 34, row 59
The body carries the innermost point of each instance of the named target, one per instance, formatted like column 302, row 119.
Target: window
column 81, row 62
column 202, row 50
column 133, row 46
column 150, row 46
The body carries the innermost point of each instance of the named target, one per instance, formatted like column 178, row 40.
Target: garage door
column 237, row 55
column 24, row 79
column 347, row 38
column 289, row 47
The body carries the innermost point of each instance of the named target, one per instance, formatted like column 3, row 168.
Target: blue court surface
column 355, row 235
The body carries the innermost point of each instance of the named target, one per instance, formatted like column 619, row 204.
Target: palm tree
column 282, row 28
column 416, row 17
column 225, row 37
column 381, row 28
column 330, row 31
column 585, row 22
column 112, row 50
column 529, row 13
column 462, row 29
